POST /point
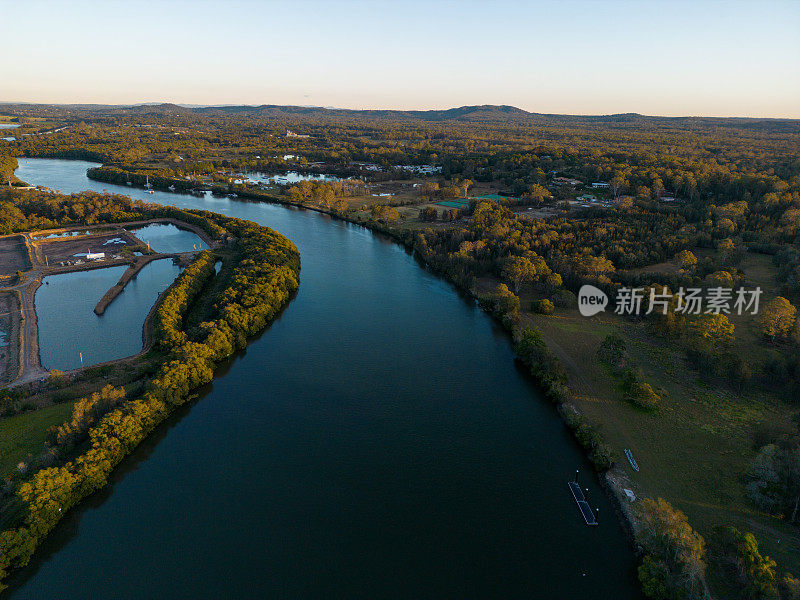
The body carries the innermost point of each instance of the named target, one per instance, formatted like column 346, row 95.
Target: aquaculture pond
column 168, row 238
column 69, row 328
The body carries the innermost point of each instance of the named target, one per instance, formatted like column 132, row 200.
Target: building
column 599, row 185
column 95, row 255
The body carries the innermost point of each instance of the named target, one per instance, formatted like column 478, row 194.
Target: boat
column 631, row 460
column 171, row 188
column 128, row 183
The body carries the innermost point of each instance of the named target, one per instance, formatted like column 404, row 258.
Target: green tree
column 686, row 260
column 712, row 332
column 520, row 270
column 654, row 577
column 777, row 317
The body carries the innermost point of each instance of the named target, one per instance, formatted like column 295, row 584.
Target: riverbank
column 607, row 420
column 612, row 479
column 271, row 270
column 349, row 344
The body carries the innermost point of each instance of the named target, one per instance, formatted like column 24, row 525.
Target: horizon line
column 189, row 105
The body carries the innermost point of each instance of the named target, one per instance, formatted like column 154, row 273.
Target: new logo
column 591, row 300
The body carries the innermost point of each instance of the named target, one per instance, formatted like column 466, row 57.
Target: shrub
column 543, row 307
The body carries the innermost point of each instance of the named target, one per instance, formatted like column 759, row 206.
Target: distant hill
column 463, row 113
column 484, row 113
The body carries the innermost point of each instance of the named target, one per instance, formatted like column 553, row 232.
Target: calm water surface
column 68, row 325
column 167, row 238
column 376, row 442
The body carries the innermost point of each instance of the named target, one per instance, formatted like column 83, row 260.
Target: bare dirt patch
column 13, row 255
column 55, row 251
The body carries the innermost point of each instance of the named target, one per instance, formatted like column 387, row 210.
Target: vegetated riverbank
column 599, row 396
column 528, row 343
column 106, row 427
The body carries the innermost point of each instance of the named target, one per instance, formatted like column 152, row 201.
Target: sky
column 693, row 57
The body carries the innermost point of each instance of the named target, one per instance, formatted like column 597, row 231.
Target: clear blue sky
column 701, row 57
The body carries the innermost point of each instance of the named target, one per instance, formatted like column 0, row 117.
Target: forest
column 686, row 203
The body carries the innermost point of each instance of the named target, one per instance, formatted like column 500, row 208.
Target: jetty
column 583, row 505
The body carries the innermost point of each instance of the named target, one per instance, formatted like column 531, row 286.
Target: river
column 377, row 441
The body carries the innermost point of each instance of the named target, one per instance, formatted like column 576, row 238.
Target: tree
column 617, row 184
column 505, row 302
column 668, row 537
column 654, row 577
column 712, row 332
column 543, row 306
column 777, row 318
column 756, row 573
column 686, row 260
column 519, row 270
column 537, row 193
column 429, row 213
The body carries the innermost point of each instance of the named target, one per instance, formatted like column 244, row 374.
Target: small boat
column 150, row 192
column 129, row 183
column 631, row 460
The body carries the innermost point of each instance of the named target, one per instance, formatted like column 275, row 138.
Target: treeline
column 156, row 177
column 25, row 210
column 168, row 330
column 326, row 194
column 262, row 282
column 549, row 373
column 8, row 164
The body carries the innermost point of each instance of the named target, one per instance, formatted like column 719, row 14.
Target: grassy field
column 694, row 450
column 23, row 435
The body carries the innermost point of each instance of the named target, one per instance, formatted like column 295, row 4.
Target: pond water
column 377, row 441
column 9, row 125
column 64, row 234
column 68, row 325
column 167, row 238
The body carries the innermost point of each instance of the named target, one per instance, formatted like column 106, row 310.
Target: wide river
column 377, row 441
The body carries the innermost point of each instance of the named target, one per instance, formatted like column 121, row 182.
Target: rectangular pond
column 68, row 325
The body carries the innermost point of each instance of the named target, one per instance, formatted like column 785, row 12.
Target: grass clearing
column 695, row 449
column 23, row 436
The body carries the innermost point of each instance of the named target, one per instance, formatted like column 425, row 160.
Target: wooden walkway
column 586, row 510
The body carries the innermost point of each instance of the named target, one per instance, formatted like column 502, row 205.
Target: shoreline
column 607, row 479
column 186, row 366
column 608, row 483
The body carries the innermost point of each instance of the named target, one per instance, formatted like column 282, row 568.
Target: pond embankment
column 117, row 288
